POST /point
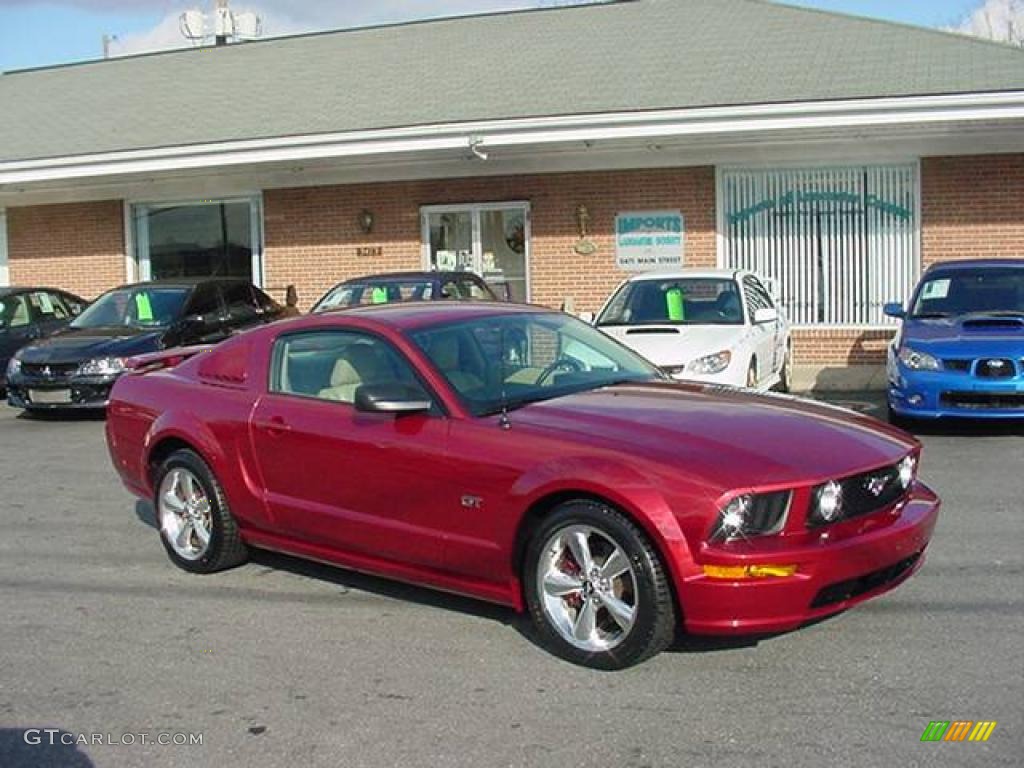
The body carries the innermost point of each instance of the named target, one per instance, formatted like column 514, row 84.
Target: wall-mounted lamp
column 585, row 246
column 365, row 220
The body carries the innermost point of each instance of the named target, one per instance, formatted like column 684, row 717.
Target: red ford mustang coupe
column 520, row 456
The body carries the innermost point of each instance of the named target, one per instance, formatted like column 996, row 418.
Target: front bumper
column 47, row 394
column 832, row 574
column 943, row 394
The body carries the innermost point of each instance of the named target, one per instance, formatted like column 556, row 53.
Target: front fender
column 628, row 488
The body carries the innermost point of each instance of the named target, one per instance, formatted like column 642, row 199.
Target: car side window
column 53, row 306
column 14, row 312
column 240, row 303
column 757, row 297
column 759, row 288
column 205, row 301
column 332, row 365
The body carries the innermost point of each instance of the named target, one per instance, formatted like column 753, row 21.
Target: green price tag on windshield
column 379, row 295
column 674, row 305
column 143, row 308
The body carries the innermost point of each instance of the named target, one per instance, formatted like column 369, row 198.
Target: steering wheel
column 564, row 363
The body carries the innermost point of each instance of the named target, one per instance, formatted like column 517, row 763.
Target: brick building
column 837, row 156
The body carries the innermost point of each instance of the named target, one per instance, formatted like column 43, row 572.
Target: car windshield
column 971, row 291
column 356, row 293
column 673, row 301
column 139, row 307
column 516, row 359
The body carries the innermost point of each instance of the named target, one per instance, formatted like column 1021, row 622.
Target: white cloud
column 1001, row 20
column 283, row 17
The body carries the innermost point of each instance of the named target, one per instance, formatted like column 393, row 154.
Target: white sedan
column 718, row 326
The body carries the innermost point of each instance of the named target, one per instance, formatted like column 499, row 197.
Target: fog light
column 907, row 469
column 748, row 571
column 830, row 501
column 915, row 399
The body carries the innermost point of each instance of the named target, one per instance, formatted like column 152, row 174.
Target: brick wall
column 312, row 234
column 972, row 207
column 78, row 247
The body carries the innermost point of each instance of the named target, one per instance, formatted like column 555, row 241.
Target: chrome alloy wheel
column 185, row 516
column 588, row 588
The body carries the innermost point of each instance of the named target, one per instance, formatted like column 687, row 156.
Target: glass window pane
column 451, row 240
column 199, row 240
column 503, row 242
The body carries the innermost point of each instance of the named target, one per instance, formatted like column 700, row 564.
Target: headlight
column 104, row 366
column 918, row 361
column 907, row 469
column 828, row 502
column 715, row 363
column 752, row 514
column 13, row 367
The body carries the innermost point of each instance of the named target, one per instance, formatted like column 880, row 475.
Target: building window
column 491, row 239
column 838, row 242
column 209, row 238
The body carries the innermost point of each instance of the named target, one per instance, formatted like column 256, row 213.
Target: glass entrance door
column 490, row 239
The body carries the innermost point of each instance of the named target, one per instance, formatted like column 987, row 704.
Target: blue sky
column 36, row 33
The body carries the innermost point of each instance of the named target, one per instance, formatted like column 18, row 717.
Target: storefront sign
column 647, row 240
column 843, row 201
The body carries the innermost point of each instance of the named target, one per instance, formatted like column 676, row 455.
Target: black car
column 29, row 314
column 76, row 367
column 406, row 286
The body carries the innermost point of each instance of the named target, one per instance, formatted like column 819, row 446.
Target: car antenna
column 503, row 420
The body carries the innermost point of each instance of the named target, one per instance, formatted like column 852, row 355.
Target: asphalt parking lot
column 284, row 663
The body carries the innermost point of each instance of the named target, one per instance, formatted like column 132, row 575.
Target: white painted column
column 5, row 273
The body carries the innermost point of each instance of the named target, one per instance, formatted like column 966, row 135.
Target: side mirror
column 765, row 315
column 894, row 309
column 586, row 317
column 391, row 398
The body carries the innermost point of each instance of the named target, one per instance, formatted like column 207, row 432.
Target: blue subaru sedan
column 960, row 351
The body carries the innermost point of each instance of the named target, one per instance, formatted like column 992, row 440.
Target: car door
column 366, row 483
column 16, row 326
column 763, row 334
column 778, row 325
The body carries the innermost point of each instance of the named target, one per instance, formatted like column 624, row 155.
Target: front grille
column 983, row 400
column 863, row 494
column 49, row 370
column 996, row 368
column 960, row 366
column 851, row 588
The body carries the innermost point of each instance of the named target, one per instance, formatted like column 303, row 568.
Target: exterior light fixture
column 365, row 220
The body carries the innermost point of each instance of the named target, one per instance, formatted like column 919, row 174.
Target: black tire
column 752, row 374
column 654, row 626
column 226, row 548
column 784, row 383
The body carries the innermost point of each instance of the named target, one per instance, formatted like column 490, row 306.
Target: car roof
column 418, row 314
column 11, row 290
column 440, row 275
column 183, row 282
column 955, row 266
column 681, row 274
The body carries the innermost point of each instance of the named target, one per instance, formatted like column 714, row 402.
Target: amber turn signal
column 748, row 571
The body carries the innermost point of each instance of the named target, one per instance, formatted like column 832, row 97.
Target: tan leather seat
column 359, row 364
column 445, row 352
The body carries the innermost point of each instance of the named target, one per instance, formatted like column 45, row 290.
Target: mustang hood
column 967, row 336
column 711, row 432
column 75, row 345
column 674, row 345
